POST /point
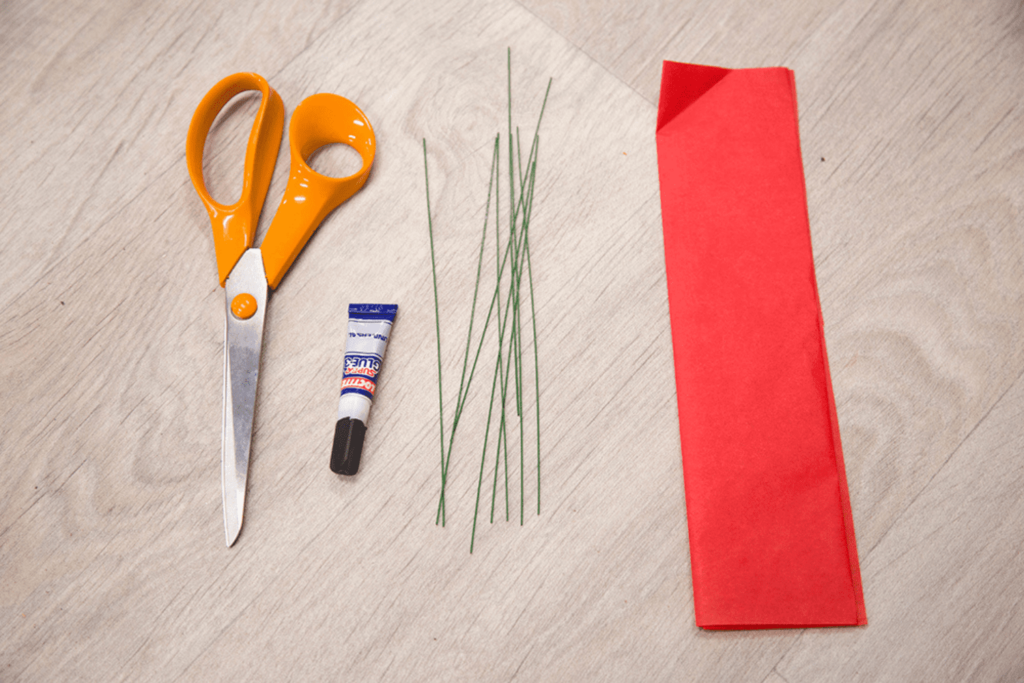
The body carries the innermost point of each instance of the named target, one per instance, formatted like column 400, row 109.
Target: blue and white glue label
column 369, row 328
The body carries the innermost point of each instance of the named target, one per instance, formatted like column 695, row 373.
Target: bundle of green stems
column 506, row 312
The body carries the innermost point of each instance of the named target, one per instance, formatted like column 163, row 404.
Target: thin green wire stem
column 527, row 214
column 511, row 183
column 536, row 362
column 502, row 371
column 515, row 341
column 437, row 316
column 483, row 460
column 502, row 447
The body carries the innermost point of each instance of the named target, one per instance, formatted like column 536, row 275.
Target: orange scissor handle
column 309, row 196
column 235, row 226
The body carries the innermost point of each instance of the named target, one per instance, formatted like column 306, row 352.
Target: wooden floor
column 112, row 558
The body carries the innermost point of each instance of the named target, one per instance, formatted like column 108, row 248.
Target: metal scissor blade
column 243, row 339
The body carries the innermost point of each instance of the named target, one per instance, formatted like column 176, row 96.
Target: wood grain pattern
column 112, row 565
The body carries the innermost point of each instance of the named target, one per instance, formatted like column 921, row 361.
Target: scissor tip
column 231, row 535
column 234, row 502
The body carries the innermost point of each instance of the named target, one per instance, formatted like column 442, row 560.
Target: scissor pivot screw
column 243, row 306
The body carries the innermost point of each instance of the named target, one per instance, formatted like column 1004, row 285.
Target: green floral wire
column 524, row 198
column 495, row 300
column 517, row 257
column 524, row 206
column 463, row 384
column 437, row 315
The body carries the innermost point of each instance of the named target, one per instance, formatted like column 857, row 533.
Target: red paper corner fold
column 768, row 508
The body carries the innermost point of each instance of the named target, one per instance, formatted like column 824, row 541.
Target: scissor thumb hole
column 324, row 120
column 335, row 160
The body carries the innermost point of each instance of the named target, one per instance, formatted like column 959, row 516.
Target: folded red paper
column 768, row 509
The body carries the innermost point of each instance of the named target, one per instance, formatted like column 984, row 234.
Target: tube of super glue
column 369, row 328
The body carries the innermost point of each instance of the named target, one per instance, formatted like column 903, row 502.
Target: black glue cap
column 348, row 446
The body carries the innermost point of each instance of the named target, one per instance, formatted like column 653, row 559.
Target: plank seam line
column 586, row 54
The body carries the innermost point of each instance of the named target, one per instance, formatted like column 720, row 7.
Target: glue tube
column 369, row 328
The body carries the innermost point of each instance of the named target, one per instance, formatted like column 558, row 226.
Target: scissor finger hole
column 336, row 160
column 224, row 154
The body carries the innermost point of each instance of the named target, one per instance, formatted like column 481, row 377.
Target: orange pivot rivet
column 243, row 306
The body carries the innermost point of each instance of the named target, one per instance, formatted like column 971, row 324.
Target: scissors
column 246, row 271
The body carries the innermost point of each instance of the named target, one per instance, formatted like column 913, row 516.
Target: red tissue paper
column 767, row 504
